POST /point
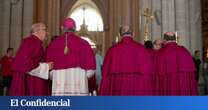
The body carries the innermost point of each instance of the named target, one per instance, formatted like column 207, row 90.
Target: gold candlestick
column 148, row 18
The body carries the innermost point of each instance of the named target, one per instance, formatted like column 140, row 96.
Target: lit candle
column 176, row 34
column 116, row 39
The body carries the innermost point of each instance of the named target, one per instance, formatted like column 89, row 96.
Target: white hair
column 37, row 27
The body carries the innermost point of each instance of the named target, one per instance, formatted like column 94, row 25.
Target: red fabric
column 28, row 57
column 175, row 71
column 69, row 23
column 92, row 84
column 174, row 58
column 126, row 84
column 6, row 65
column 80, row 53
column 127, row 70
column 127, row 56
column 176, row 84
column 155, row 74
column 153, row 55
column 29, row 54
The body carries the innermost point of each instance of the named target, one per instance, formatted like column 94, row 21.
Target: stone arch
column 67, row 5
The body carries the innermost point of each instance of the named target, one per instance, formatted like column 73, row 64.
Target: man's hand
column 50, row 64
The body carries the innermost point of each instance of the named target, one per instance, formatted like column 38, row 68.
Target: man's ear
column 62, row 28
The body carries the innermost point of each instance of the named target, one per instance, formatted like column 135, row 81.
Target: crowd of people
column 70, row 67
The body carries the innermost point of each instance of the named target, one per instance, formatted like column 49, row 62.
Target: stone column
column 53, row 17
column 182, row 22
column 48, row 12
column 126, row 13
column 168, row 15
column 157, row 22
column 40, row 11
column 117, row 18
column 111, row 23
column 11, row 24
column 16, row 24
column 4, row 39
column 6, row 26
column 135, row 18
column 27, row 17
column 195, row 25
column 118, row 14
column 1, row 26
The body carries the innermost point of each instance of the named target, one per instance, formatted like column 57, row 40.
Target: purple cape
column 126, row 70
column 80, row 53
column 28, row 57
column 175, row 71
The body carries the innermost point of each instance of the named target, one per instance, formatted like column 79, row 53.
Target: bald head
column 125, row 30
column 170, row 36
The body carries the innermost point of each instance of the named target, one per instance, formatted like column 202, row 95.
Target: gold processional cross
column 148, row 19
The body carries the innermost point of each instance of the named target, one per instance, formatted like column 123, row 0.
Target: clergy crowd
column 70, row 67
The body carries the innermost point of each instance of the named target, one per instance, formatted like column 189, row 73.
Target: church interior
column 98, row 21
